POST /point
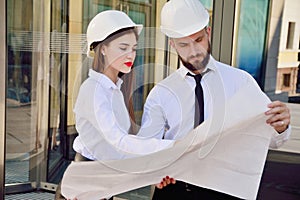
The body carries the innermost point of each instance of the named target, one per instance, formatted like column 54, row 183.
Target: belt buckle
column 187, row 188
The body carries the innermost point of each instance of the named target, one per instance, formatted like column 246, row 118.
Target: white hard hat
column 105, row 23
column 181, row 18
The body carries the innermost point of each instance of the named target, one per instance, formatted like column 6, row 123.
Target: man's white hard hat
column 104, row 24
column 181, row 18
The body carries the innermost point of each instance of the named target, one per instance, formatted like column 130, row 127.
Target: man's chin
column 198, row 65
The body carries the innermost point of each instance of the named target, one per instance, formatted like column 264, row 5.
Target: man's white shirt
column 163, row 115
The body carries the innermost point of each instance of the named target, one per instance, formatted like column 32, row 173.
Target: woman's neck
column 111, row 74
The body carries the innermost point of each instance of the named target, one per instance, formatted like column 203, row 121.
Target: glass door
column 57, row 90
column 36, row 93
column 26, row 122
column 2, row 95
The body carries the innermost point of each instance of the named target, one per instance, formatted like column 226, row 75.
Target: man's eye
column 182, row 45
column 199, row 40
column 123, row 48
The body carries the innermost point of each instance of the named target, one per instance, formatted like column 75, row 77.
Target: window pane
column 290, row 36
column 251, row 35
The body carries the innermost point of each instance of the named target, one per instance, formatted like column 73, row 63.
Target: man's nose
column 193, row 50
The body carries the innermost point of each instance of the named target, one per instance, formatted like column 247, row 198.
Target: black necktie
column 199, row 102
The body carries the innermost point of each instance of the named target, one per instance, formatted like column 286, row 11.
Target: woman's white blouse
column 102, row 122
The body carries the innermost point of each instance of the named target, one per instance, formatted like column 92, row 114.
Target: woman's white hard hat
column 181, row 18
column 105, row 23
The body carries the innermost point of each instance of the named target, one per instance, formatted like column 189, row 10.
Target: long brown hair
column 128, row 79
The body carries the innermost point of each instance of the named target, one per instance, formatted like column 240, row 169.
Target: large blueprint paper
column 229, row 161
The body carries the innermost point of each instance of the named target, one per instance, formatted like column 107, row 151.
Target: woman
column 104, row 113
column 102, row 117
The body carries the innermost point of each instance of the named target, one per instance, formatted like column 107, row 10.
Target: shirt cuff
column 278, row 139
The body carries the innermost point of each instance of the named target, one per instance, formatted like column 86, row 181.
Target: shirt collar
column 104, row 80
column 210, row 67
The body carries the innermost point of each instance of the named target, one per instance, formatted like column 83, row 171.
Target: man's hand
column 279, row 116
column 165, row 181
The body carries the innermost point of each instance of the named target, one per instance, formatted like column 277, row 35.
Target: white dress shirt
column 230, row 161
column 102, row 122
column 166, row 110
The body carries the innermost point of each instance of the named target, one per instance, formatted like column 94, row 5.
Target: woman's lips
column 128, row 64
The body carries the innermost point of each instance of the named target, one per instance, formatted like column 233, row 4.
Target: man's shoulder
column 228, row 70
column 168, row 85
column 234, row 76
column 171, row 79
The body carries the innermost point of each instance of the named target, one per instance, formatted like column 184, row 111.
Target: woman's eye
column 123, row 48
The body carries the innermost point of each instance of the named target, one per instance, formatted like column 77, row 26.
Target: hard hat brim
column 186, row 32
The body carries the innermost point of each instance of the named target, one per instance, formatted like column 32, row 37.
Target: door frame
column 3, row 63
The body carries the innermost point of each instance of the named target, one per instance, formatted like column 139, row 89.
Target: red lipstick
column 128, row 64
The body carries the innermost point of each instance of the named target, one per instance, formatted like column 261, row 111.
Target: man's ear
column 172, row 43
column 208, row 31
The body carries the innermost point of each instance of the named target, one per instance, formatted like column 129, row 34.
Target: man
column 185, row 22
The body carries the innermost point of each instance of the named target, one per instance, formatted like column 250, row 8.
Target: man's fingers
column 165, row 181
column 160, row 185
column 173, row 181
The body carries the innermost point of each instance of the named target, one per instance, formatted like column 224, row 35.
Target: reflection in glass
column 22, row 140
column 33, row 90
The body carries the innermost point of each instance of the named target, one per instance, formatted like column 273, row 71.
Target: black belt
column 182, row 190
column 186, row 186
column 79, row 157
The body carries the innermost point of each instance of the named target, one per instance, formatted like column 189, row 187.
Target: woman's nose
column 131, row 54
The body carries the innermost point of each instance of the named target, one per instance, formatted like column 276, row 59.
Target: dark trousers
column 185, row 191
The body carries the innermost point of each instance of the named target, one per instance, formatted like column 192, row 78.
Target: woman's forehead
column 128, row 38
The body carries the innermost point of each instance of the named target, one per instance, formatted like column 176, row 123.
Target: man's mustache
column 199, row 55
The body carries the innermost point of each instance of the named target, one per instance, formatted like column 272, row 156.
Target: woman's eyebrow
column 126, row 44
column 123, row 43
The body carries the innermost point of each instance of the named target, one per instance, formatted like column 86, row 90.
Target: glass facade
column 251, row 36
column 47, row 62
column 36, row 67
column 21, row 119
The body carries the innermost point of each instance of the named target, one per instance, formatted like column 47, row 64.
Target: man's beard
column 197, row 65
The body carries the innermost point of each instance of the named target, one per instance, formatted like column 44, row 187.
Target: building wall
column 273, row 41
column 289, row 48
column 74, row 59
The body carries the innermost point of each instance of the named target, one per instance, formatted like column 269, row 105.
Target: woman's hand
column 165, row 181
